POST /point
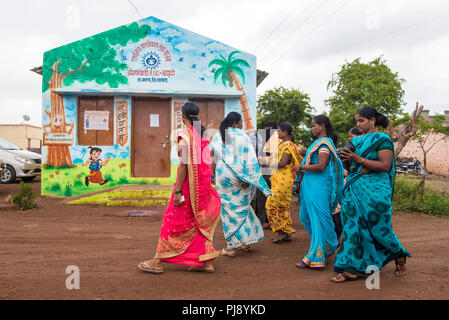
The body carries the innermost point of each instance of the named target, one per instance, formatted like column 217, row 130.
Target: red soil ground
column 38, row 245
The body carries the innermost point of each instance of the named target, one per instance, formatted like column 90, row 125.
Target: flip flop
column 226, row 253
column 148, row 269
column 345, row 277
column 197, row 269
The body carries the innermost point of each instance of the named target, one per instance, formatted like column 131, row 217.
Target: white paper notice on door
column 154, row 121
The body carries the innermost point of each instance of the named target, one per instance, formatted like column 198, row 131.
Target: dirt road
column 36, row 247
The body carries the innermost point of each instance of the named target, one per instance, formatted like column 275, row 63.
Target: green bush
column 55, row 187
column 434, row 203
column 123, row 180
column 68, row 190
column 24, row 198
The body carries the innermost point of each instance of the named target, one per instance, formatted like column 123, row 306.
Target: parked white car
column 18, row 163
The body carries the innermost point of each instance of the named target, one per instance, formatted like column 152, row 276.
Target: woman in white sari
column 237, row 169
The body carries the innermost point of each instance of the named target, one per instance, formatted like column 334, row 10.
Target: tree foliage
column 93, row 58
column 289, row 105
column 358, row 84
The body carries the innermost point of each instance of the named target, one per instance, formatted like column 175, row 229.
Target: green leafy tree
column 228, row 70
column 90, row 59
column 290, row 105
column 358, row 84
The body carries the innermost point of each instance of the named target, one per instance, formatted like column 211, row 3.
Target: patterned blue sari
column 320, row 194
column 368, row 237
column 237, row 163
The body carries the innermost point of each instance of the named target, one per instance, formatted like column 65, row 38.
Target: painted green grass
column 135, row 198
column 69, row 182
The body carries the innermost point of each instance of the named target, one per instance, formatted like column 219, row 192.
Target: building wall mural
column 148, row 57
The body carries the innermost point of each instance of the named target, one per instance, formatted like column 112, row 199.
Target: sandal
column 199, row 269
column 244, row 248
column 400, row 266
column 342, row 277
column 227, row 253
column 146, row 268
column 302, row 265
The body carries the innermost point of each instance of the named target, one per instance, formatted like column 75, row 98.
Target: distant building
column 24, row 136
column 426, row 115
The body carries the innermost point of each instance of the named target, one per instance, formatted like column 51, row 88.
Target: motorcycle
column 410, row 165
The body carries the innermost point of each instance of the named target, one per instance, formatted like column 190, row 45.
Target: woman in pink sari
column 193, row 212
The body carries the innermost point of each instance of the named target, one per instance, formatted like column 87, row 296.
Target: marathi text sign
column 121, row 122
column 57, row 139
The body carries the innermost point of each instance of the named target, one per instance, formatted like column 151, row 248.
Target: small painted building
column 117, row 96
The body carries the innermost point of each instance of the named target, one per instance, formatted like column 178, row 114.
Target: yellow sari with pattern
column 278, row 205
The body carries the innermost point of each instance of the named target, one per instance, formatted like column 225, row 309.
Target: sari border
column 208, row 256
column 171, row 254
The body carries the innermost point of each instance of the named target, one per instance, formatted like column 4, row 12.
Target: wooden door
column 211, row 114
column 95, row 137
column 151, row 124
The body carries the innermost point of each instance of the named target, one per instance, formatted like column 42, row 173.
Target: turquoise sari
column 320, row 194
column 368, row 237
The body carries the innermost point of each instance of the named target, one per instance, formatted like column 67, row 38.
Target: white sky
column 299, row 42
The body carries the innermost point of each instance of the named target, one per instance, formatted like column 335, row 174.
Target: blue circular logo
column 151, row 61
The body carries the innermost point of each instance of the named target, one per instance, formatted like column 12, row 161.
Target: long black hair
column 191, row 112
column 286, row 126
column 370, row 112
column 330, row 131
column 231, row 119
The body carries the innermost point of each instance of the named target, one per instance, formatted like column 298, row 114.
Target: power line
column 433, row 19
column 135, row 8
column 303, row 22
column 314, row 30
column 275, row 28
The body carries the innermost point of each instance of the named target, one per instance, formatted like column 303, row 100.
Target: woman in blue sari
column 320, row 193
column 368, row 237
column 237, row 169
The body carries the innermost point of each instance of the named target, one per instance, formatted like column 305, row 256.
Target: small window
column 95, row 137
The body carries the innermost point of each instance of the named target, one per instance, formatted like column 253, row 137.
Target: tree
column 228, row 71
column 291, row 105
column 403, row 129
column 90, row 59
column 429, row 129
column 358, row 84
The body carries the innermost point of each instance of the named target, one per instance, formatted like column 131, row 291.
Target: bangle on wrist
column 363, row 161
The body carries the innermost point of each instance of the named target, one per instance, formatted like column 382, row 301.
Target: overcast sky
column 299, row 42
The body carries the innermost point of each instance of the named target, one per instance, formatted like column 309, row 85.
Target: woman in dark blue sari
column 368, row 237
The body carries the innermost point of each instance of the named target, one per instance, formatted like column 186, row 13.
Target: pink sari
column 187, row 231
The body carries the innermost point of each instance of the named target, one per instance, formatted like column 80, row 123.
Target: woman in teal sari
column 236, row 170
column 368, row 237
column 320, row 193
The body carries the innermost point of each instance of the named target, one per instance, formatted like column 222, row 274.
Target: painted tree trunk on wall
column 244, row 103
column 58, row 156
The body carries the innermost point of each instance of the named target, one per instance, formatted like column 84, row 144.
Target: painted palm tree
column 228, row 71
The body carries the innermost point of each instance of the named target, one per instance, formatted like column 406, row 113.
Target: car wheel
column 28, row 179
column 9, row 175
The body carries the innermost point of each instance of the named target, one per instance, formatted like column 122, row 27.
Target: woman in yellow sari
column 278, row 205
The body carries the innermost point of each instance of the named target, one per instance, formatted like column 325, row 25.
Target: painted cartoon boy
column 95, row 164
